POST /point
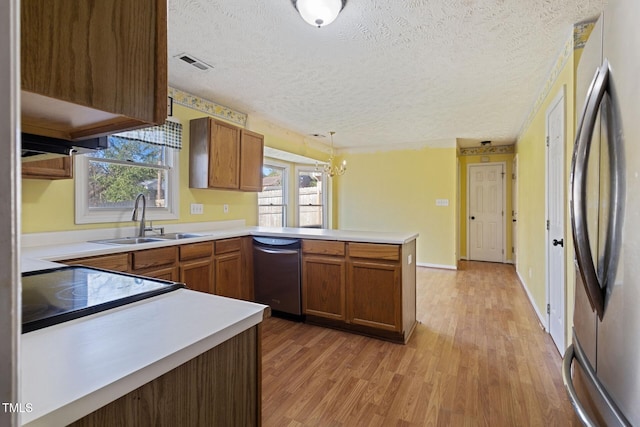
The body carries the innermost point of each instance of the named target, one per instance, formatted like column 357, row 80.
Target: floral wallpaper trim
column 206, row 106
column 581, row 33
column 577, row 40
column 498, row 149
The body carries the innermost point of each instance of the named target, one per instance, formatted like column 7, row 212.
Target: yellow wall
column 49, row 205
column 507, row 159
column 397, row 191
column 531, row 150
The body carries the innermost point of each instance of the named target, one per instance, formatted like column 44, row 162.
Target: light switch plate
column 442, row 202
column 197, row 209
column 225, row 208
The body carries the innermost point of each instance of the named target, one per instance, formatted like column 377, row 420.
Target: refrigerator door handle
column 574, row 351
column 569, row 355
column 578, row 203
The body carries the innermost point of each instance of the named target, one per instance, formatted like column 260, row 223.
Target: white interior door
column 486, row 212
column 555, row 214
column 514, row 211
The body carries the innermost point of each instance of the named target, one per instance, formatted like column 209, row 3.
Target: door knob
column 558, row 242
column 473, row 217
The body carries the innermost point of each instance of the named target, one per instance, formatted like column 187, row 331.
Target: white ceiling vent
column 192, row 60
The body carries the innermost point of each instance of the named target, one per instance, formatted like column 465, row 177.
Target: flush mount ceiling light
column 319, row 12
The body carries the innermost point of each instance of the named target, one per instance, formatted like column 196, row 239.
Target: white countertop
column 73, row 368
column 51, row 248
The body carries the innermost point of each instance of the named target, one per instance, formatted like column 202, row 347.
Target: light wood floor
column 477, row 358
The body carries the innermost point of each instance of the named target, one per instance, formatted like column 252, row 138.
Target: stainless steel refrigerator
column 601, row 368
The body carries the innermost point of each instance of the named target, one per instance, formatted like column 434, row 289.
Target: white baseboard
column 443, row 266
column 541, row 318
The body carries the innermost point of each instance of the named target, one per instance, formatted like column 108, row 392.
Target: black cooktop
column 60, row 294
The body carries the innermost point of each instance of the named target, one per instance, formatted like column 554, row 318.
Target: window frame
column 325, row 195
column 85, row 215
column 286, row 173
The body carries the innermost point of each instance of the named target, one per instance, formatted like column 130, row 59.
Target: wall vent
column 192, row 60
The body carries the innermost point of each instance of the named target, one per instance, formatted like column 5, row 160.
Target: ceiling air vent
column 192, row 60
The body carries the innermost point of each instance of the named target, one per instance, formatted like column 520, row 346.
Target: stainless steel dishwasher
column 276, row 264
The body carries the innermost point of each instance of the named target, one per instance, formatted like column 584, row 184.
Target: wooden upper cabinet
column 57, row 168
column 251, row 159
column 224, row 156
column 92, row 67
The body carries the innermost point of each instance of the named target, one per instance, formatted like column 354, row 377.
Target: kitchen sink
column 177, row 236
column 129, row 240
column 150, row 239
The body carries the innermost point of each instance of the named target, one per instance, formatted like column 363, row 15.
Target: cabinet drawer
column 374, row 250
column 196, row 250
column 115, row 262
column 323, row 247
column 154, row 257
column 228, row 245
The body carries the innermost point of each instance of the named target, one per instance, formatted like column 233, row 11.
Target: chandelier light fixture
column 319, row 12
column 329, row 167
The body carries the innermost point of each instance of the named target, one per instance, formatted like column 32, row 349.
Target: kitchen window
column 141, row 161
column 311, row 195
column 272, row 200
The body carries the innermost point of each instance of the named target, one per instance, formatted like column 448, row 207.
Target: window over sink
column 142, row 161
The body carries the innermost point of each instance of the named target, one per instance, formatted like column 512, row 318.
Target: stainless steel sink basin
column 177, row 236
column 129, row 240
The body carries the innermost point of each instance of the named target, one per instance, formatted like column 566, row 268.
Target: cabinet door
column 323, row 287
column 251, row 157
column 228, row 275
column 92, row 67
column 374, row 294
column 197, row 275
column 115, row 262
column 224, row 160
column 149, row 258
column 58, row 168
column 168, row 273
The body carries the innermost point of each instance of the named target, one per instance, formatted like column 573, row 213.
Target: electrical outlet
column 442, row 202
column 197, row 209
column 225, row 208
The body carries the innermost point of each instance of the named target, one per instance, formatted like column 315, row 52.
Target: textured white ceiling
column 385, row 73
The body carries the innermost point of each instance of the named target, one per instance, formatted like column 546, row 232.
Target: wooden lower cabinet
column 361, row 287
column 159, row 263
column 323, row 286
column 374, row 294
column 221, row 387
column 233, row 261
column 167, row 273
column 228, row 272
column 197, row 275
column 116, row 262
column 196, row 266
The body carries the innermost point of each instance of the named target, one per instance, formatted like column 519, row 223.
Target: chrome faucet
column 142, row 228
